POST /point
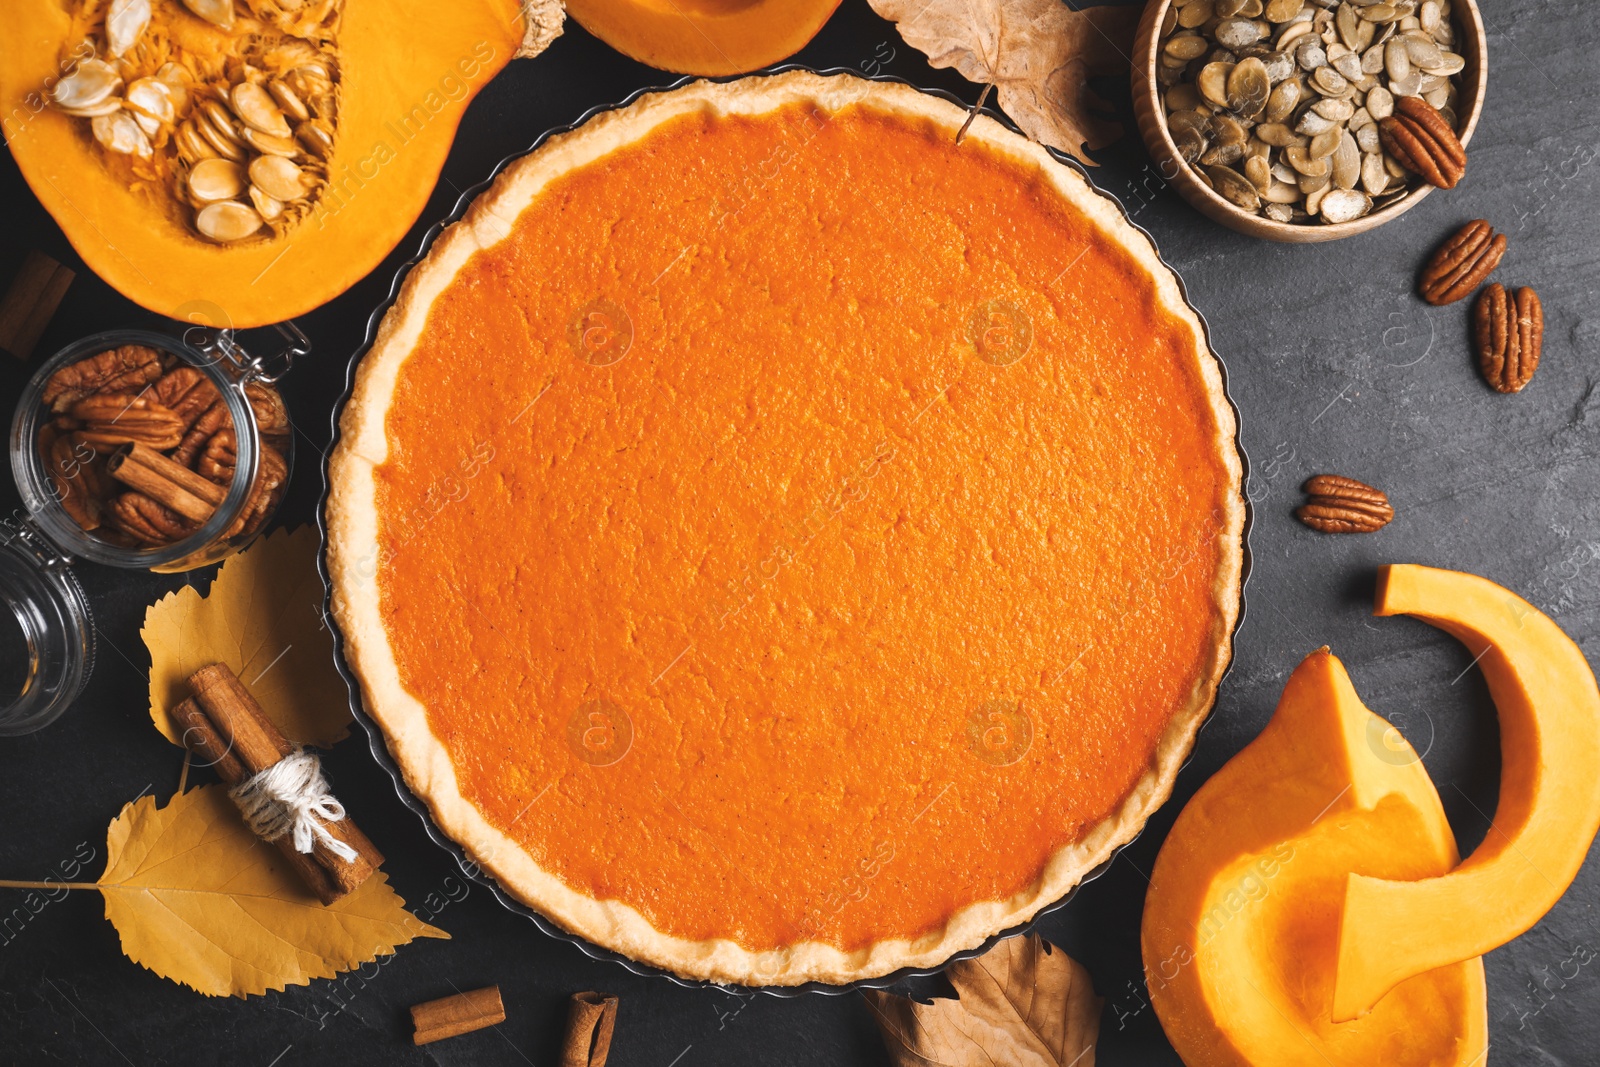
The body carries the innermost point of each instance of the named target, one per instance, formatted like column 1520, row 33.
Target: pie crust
column 354, row 550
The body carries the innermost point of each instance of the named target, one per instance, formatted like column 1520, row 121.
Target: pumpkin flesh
column 1241, row 921
column 408, row 70
column 1549, row 809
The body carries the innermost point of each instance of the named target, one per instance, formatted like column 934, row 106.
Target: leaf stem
column 7, row 884
column 983, row 97
column 183, row 775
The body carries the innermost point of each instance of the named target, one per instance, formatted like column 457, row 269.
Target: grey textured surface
column 1335, row 366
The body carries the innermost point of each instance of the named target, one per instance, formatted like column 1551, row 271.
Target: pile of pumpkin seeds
column 1275, row 103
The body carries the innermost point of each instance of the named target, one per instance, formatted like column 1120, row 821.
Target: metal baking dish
column 375, row 738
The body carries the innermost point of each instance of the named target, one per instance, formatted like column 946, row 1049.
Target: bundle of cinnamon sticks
column 226, row 729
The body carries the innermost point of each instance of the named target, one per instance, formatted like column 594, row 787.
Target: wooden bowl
column 1471, row 44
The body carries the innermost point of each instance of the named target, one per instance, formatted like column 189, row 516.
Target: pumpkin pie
column 781, row 541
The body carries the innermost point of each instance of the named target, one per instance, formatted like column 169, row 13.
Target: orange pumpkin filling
column 795, row 546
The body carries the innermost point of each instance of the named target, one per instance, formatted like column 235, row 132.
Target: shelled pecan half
column 1462, row 263
column 1344, row 505
column 1422, row 141
column 1509, row 331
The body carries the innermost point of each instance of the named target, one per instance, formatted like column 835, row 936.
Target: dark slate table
column 1335, row 366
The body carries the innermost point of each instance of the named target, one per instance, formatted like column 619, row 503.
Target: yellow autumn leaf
column 199, row 899
column 263, row 617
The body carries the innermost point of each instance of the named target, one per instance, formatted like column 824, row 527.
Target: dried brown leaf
column 1023, row 1003
column 1038, row 54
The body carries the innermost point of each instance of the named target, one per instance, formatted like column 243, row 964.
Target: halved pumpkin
column 704, row 37
column 1240, row 924
column 1549, row 806
column 408, row 69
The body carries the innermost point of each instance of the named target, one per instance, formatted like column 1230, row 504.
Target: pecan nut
column 272, row 417
column 76, row 474
column 215, row 419
column 1344, row 505
column 1462, row 263
column 188, row 392
column 111, row 420
column 1510, row 334
column 118, row 370
column 147, row 521
column 1420, row 140
column 272, row 475
column 218, row 458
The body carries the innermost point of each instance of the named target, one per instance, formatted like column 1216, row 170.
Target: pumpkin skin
column 1240, row 925
column 704, row 37
column 1549, row 806
column 409, row 68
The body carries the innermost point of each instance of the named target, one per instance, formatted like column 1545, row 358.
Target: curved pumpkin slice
column 408, row 69
column 1549, row 805
column 704, row 37
column 1240, row 923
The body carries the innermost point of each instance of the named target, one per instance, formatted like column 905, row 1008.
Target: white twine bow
column 292, row 797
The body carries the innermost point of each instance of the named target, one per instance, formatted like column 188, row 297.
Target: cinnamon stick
column 201, row 737
column 458, row 1014
column 168, row 481
column 258, row 744
column 591, row 1019
column 30, row 303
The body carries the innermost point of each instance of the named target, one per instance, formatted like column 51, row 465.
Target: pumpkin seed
column 1248, row 88
column 110, row 105
column 1310, row 54
column 1396, row 59
column 1283, row 100
column 150, row 101
column 191, row 146
column 227, row 149
column 267, row 207
column 1374, row 178
column 1191, row 144
column 1423, row 52
column 1187, row 47
column 126, row 21
column 255, row 108
column 279, row 178
column 316, row 137
column 1283, row 10
column 1346, row 162
column 1337, row 110
column 1234, row 187
column 1280, row 66
column 1195, row 14
column 1236, row 33
column 270, row 144
column 1213, row 82
column 217, row 12
column 1278, row 212
column 91, row 84
column 1310, row 183
column 211, row 180
column 1349, row 65
column 288, row 100
column 1329, row 82
column 1181, row 98
column 228, row 221
column 1169, row 21
column 1410, row 85
column 1449, row 65
column 1259, row 171
column 1312, row 124
column 1367, row 138
column 1378, row 12
column 1282, row 193
column 1292, row 33
column 118, row 132
column 1314, row 199
column 1323, row 144
column 1301, row 160
column 1278, row 135
column 1344, row 205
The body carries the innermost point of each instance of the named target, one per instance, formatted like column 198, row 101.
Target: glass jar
column 39, row 546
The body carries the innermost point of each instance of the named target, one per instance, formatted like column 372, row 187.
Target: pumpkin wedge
column 1241, row 920
column 704, row 37
column 1549, row 805
column 405, row 71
